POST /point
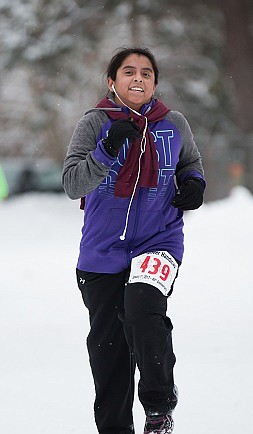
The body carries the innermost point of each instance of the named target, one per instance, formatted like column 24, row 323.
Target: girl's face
column 135, row 81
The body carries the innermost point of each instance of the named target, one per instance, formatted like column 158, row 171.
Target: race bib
column 158, row 269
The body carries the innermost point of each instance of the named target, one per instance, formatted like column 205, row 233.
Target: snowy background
column 46, row 384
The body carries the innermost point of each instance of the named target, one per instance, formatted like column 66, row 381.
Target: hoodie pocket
column 113, row 226
column 104, row 227
column 152, row 222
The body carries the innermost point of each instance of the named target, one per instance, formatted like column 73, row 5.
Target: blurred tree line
column 53, row 55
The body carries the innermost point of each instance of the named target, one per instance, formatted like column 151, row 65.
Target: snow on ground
column 46, row 384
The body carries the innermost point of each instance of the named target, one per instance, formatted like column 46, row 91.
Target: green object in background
column 4, row 190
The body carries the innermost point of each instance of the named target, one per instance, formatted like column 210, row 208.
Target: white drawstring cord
column 143, row 148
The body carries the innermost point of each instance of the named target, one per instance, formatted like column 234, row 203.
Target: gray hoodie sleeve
column 85, row 167
column 190, row 161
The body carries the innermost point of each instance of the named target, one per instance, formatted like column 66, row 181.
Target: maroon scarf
column 149, row 162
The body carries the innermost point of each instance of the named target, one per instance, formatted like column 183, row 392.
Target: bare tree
column 239, row 51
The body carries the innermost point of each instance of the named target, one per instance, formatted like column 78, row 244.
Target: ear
column 154, row 88
column 110, row 82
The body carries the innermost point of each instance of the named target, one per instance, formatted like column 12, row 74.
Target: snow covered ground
column 46, row 385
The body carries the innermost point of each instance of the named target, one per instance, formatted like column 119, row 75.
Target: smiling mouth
column 136, row 89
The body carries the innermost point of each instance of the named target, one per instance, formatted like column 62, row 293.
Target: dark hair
column 124, row 52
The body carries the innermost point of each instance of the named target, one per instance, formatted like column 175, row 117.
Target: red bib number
column 155, row 268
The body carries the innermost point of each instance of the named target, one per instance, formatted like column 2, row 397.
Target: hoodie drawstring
column 143, row 148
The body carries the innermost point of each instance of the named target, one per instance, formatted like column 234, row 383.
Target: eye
column 128, row 72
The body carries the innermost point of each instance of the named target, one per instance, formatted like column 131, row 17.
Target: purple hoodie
column 151, row 223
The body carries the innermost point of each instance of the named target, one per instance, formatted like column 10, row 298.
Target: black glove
column 189, row 195
column 120, row 130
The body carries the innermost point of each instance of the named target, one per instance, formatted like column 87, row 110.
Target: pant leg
column 110, row 357
column 148, row 331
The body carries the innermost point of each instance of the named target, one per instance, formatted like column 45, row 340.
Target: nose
column 139, row 79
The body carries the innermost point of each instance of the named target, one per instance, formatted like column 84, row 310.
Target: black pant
column 128, row 325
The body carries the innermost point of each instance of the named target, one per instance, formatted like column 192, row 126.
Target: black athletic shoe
column 162, row 424
column 157, row 423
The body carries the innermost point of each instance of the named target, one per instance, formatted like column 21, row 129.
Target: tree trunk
column 134, row 24
column 239, row 51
